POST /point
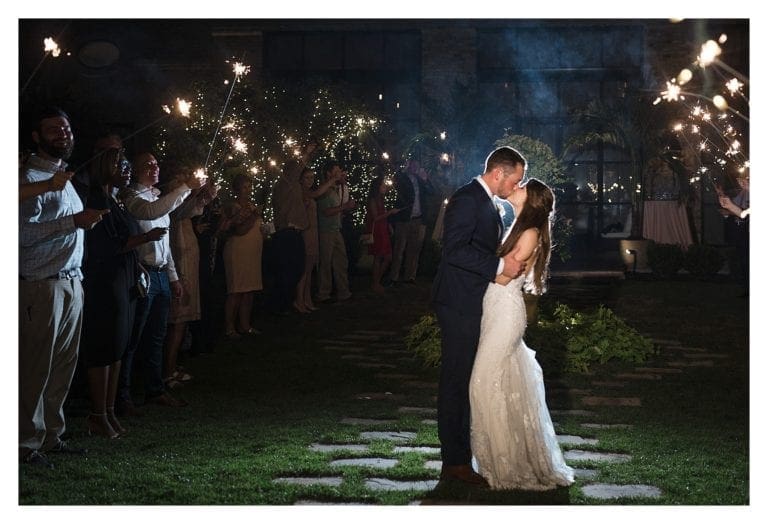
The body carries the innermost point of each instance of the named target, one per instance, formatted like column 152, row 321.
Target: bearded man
column 51, row 239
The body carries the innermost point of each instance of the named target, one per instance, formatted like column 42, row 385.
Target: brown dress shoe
column 462, row 473
column 165, row 399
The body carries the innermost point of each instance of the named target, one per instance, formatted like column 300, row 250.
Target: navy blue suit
column 471, row 232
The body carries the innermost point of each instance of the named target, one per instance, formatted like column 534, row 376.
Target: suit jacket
column 406, row 196
column 471, row 234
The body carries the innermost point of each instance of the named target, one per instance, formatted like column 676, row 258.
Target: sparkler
column 50, row 47
column 711, row 124
column 239, row 70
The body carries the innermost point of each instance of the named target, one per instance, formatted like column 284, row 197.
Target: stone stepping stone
column 365, row 338
column 349, row 349
column 658, row 370
column 596, row 456
column 328, row 448
column 415, row 449
column 663, row 342
column 374, row 462
column 609, row 383
column 706, row 355
column 389, row 345
column 380, row 484
column 690, row 348
column 420, row 384
column 614, row 491
column 388, row 435
column 569, row 391
column 355, row 356
column 576, row 440
column 417, row 410
column 380, row 333
column 695, row 364
column 387, row 351
column 396, row 376
column 434, row 464
column 612, row 401
column 372, row 365
column 581, row 473
column 335, row 342
column 380, row 396
column 639, row 376
column 592, row 425
column 367, row 421
column 310, row 481
column 575, row 412
column 307, row 502
column 429, row 422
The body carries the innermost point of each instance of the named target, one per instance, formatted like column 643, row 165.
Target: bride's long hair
column 538, row 212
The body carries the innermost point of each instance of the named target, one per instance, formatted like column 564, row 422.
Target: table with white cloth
column 666, row 222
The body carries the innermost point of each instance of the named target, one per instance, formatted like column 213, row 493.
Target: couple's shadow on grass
column 458, row 493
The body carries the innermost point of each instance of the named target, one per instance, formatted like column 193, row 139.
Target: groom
column 472, row 233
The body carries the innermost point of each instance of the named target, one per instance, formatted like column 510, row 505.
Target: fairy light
column 684, row 76
column 720, row 102
column 442, row 135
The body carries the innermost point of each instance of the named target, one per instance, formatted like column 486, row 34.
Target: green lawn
column 257, row 404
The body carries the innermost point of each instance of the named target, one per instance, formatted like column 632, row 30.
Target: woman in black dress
column 111, row 275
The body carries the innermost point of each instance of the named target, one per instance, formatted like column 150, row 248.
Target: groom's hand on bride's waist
column 512, row 268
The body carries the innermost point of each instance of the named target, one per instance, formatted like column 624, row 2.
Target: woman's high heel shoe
column 99, row 425
column 112, row 419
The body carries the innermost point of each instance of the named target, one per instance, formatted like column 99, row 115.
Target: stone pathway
column 361, row 349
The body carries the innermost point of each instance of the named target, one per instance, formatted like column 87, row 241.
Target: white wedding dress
column 513, row 440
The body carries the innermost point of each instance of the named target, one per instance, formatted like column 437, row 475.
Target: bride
column 513, row 440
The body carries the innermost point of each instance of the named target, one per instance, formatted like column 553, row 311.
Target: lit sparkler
column 200, row 174
column 51, row 47
column 734, row 86
column 239, row 145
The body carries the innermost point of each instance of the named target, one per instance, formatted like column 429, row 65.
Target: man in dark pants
column 471, row 235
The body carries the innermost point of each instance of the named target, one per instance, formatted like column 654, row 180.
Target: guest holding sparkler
column 376, row 224
column 303, row 302
column 112, row 273
column 242, row 258
column 290, row 220
column 186, row 257
column 51, row 240
column 142, row 199
column 736, row 208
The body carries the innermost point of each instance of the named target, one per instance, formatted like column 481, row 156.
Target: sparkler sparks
column 51, row 47
column 239, row 145
column 709, row 52
column 200, row 174
column 733, row 86
column 240, row 69
column 672, row 93
column 183, row 106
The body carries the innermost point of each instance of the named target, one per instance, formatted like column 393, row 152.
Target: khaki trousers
column 409, row 237
column 333, row 266
column 50, row 317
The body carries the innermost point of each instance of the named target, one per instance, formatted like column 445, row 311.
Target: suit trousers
column 50, row 318
column 460, row 335
column 408, row 240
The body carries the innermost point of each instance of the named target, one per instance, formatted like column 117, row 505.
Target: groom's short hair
column 506, row 157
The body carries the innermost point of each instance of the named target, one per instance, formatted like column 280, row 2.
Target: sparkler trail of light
column 238, row 69
column 182, row 105
column 49, row 46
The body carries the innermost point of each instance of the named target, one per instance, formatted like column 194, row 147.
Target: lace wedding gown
column 513, row 440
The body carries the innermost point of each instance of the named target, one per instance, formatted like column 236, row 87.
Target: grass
column 257, row 404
